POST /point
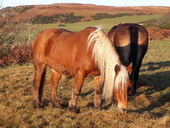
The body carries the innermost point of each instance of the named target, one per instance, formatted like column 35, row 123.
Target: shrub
column 25, row 8
column 64, row 18
column 20, row 55
column 162, row 22
column 157, row 33
column 99, row 16
column 140, row 13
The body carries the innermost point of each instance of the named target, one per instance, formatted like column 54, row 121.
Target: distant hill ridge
column 85, row 10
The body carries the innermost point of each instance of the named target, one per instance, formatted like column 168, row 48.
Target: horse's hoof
column 123, row 110
column 131, row 92
column 57, row 106
column 37, row 106
column 98, row 107
column 73, row 109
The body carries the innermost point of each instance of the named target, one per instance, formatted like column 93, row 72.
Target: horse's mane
column 106, row 58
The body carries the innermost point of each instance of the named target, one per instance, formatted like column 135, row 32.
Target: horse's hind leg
column 78, row 82
column 38, row 84
column 134, row 77
column 98, row 92
column 136, row 68
column 53, row 85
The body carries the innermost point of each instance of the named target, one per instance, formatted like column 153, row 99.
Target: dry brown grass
column 150, row 108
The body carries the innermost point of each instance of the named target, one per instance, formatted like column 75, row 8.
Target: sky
column 11, row 3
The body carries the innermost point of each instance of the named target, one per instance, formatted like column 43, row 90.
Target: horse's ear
column 117, row 69
column 129, row 68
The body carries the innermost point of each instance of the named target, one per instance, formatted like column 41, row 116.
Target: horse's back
column 53, row 39
column 63, row 50
column 58, row 35
column 44, row 37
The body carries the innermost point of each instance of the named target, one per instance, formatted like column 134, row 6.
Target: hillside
column 86, row 10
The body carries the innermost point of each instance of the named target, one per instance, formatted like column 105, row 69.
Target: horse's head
column 122, row 84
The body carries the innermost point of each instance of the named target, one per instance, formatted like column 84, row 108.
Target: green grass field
column 150, row 108
column 106, row 23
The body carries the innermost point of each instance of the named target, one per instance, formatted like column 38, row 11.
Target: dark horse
column 131, row 42
column 79, row 54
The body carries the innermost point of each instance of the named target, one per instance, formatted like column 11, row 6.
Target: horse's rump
column 124, row 34
column 130, row 40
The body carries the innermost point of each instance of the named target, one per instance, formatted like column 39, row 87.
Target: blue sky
column 7, row 3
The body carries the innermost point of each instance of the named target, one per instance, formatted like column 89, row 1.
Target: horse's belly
column 71, row 71
column 94, row 73
column 62, row 69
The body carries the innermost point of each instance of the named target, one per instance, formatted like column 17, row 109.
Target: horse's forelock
column 121, row 88
column 121, row 78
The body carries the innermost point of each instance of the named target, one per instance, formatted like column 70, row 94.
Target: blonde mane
column 106, row 58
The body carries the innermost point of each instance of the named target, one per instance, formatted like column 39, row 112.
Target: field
column 150, row 108
column 106, row 23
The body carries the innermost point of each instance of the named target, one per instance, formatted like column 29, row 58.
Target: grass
column 158, row 58
column 149, row 108
column 107, row 23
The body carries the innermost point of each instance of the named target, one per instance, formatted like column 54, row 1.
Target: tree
column 13, row 34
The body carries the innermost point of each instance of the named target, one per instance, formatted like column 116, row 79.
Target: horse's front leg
column 98, row 92
column 78, row 82
column 53, row 86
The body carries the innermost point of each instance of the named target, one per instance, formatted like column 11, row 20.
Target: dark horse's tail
column 134, row 43
column 138, row 49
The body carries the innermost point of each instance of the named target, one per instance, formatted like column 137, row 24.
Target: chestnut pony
column 79, row 54
column 131, row 42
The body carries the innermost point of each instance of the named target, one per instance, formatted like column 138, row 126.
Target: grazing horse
column 131, row 42
column 79, row 54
